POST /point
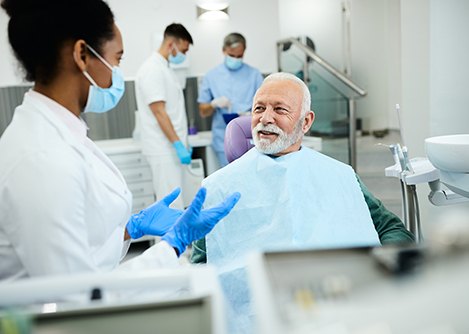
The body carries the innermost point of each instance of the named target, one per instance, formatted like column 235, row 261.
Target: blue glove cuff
column 132, row 225
column 183, row 153
column 174, row 242
column 178, row 145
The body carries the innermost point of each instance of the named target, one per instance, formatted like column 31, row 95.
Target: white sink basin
column 449, row 153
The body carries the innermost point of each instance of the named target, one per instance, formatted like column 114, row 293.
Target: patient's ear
column 308, row 121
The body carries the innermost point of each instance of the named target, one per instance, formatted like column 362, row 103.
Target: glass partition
column 332, row 98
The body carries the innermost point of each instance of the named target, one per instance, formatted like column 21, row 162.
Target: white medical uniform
column 63, row 204
column 156, row 81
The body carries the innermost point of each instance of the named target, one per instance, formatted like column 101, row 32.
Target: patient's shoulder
column 237, row 167
column 323, row 159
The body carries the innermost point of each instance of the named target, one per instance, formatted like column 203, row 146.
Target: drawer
column 128, row 159
column 141, row 188
column 141, row 202
column 136, row 174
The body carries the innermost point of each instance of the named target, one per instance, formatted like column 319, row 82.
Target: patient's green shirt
column 389, row 227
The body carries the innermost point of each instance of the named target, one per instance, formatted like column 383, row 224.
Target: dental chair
column 238, row 137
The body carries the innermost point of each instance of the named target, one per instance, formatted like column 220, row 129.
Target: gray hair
column 233, row 40
column 282, row 76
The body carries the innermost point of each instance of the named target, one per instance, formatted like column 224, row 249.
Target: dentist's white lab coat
column 63, row 204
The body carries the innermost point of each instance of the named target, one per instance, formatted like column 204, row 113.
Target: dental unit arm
column 446, row 170
column 447, row 163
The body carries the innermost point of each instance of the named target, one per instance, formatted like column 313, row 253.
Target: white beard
column 283, row 141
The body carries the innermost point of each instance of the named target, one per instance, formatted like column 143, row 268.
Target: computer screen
column 177, row 316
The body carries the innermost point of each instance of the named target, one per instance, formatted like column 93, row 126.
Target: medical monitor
column 191, row 315
column 307, row 291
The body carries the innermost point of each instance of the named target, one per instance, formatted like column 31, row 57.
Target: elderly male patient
column 291, row 195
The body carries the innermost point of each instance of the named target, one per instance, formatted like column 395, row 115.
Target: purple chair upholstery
column 238, row 137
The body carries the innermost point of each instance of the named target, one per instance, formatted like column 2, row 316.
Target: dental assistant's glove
column 183, row 153
column 221, row 102
column 195, row 223
column 156, row 220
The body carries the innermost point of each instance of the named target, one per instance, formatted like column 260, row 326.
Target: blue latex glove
column 195, row 223
column 183, row 153
column 157, row 219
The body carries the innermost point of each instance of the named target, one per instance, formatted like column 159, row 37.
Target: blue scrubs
column 239, row 86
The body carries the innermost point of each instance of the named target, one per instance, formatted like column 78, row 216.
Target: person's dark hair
column 177, row 30
column 38, row 29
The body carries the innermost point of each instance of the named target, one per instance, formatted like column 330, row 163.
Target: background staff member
column 228, row 88
column 162, row 112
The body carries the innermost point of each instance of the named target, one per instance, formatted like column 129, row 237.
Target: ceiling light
column 212, row 10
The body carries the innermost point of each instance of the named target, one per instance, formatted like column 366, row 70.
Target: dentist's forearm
column 159, row 111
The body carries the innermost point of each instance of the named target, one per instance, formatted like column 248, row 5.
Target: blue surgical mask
column 100, row 99
column 178, row 58
column 233, row 63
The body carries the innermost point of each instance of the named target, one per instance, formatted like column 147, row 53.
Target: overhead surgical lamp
column 212, row 10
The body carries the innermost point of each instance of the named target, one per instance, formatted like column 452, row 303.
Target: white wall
column 143, row 20
column 434, row 69
column 371, row 60
column 449, row 70
column 373, row 42
column 434, row 81
column 415, row 56
column 394, row 62
column 318, row 19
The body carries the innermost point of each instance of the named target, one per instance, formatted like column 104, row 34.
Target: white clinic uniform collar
column 76, row 125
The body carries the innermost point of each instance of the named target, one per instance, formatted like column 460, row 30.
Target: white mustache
column 269, row 127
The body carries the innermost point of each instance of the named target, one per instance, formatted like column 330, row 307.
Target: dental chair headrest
column 238, row 137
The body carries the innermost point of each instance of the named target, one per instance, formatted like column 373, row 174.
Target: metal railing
column 359, row 92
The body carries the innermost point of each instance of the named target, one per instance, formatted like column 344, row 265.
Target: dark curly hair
column 38, row 29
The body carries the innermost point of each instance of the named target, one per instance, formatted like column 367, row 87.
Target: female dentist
column 64, row 207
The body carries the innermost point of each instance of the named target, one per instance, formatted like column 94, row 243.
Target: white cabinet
column 204, row 139
column 127, row 155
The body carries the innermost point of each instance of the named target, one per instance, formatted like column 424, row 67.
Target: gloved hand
column 195, row 223
column 221, row 102
column 183, row 153
column 157, row 219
